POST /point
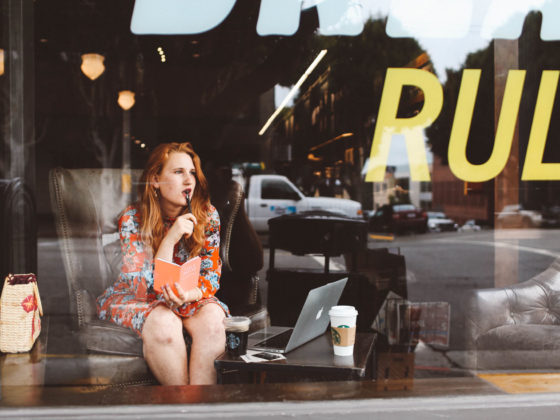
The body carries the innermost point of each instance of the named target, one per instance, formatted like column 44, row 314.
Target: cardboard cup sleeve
column 343, row 336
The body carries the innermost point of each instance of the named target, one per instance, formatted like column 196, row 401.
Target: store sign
column 458, row 18
column 276, row 17
column 412, row 128
column 406, row 18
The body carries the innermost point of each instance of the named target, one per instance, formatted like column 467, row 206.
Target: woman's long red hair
column 151, row 225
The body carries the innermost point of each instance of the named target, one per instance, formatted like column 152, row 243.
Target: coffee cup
column 237, row 331
column 343, row 329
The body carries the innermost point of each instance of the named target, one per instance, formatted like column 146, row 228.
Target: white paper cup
column 343, row 329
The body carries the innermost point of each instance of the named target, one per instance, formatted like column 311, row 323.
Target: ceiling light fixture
column 293, row 90
column 92, row 65
column 126, row 99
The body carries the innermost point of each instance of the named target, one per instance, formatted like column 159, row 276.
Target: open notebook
column 166, row 272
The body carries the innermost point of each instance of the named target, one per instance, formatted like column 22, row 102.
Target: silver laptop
column 312, row 321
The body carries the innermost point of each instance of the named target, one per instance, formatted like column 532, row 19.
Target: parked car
column 470, row 226
column 398, row 218
column 515, row 216
column 368, row 214
column 271, row 195
column 439, row 222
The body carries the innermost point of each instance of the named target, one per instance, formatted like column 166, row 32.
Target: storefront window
column 427, row 130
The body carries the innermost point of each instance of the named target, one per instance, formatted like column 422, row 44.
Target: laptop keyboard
column 278, row 341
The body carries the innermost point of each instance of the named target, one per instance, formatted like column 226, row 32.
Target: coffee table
column 314, row 361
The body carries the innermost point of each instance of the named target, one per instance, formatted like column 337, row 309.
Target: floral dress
column 129, row 301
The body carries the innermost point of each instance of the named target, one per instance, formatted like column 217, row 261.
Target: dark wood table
column 314, row 361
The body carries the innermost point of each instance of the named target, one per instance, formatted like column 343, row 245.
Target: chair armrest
column 254, row 289
column 533, row 302
column 486, row 309
column 241, row 248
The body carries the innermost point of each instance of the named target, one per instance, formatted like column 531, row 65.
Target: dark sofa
column 516, row 327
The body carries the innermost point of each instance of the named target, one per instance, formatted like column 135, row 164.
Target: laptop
column 311, row 323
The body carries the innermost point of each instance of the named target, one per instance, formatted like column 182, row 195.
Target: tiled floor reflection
column 35, row 379
column 53, row 396
column 524, row 383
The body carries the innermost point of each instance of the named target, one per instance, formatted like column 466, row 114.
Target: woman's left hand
column 175, row 300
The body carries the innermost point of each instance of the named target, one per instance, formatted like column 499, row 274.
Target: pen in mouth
column 187, row 194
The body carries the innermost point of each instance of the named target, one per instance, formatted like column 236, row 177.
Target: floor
column 47, row 378
column 53, row 374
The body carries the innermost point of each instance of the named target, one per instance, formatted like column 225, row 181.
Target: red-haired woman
column 156, row 227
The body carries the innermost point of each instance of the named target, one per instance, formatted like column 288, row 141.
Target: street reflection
column 435, row 143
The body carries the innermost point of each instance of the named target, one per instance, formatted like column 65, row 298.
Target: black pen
column 189, row 203
column 187, row 193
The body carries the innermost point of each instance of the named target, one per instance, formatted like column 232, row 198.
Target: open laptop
column 312, row 321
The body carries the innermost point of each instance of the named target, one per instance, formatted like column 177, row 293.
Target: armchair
column 516, row 327
column 86, row 205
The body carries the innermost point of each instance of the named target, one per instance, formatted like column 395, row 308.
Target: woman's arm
column 136, row 268
column 210, row 268
column 132, row 248
column 183, row 226
column 211, row 264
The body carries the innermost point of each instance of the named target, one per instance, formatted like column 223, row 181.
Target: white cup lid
column 343, row 310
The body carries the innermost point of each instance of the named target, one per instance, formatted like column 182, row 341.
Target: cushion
column 520, row 337
column 106, row 337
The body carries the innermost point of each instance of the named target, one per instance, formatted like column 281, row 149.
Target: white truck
column 274, row 195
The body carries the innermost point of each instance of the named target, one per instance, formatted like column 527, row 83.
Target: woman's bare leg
column 208, row 341
column 164, row 347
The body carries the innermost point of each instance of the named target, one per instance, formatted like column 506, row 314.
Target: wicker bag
column 20, row 311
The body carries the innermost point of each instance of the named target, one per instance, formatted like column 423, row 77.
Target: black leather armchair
column 86, row 204
column 516, row 327
column 241, row 253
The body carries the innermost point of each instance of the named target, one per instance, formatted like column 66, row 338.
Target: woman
column 159, row 226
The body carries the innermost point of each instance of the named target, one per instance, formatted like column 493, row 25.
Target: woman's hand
column 173, row 300
column 184, row 225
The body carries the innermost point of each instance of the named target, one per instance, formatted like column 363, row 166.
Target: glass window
column 403, row 207
column 443, row 118
column 425, row 186
column 278, row 190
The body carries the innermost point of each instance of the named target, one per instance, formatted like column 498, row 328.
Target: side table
column 314, row 361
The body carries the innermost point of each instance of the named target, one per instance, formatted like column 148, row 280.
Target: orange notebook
column 166, row 272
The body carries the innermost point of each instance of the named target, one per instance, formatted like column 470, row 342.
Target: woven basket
column 20, row 311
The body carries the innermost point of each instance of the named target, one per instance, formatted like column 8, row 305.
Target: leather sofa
column 86, row 204
column 515, row 327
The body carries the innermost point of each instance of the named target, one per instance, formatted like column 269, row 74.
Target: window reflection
column 423, row 94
